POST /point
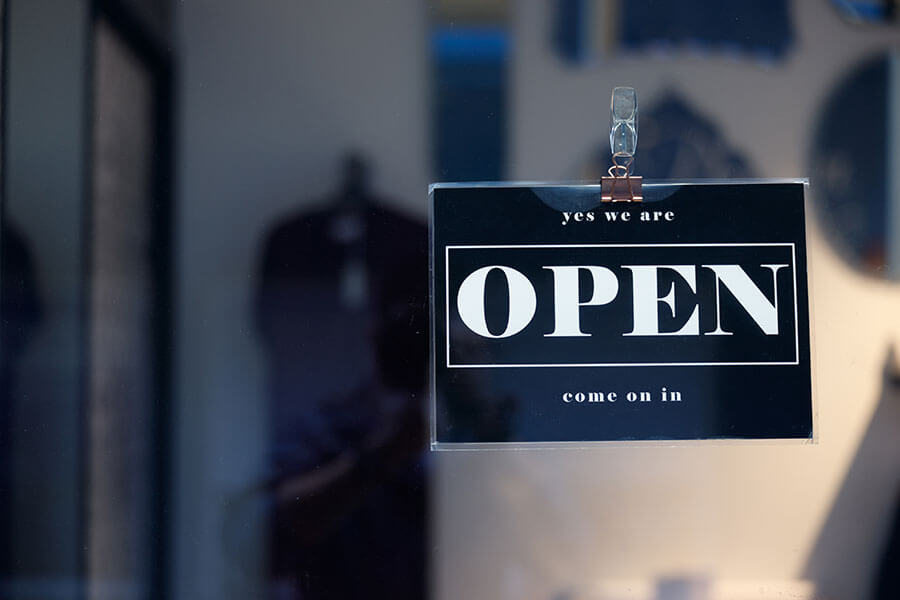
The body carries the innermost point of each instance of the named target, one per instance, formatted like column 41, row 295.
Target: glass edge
column 811, row 311
column 437, row 446
column 594, row 184
column 612, row 444
column 432, row 325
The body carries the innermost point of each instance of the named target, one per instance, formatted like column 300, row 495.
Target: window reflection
column 284, row 458
column 341, row 310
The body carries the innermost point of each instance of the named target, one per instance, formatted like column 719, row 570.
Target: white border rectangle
column 447, row 249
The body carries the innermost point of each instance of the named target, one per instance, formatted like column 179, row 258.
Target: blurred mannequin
column 341, row 309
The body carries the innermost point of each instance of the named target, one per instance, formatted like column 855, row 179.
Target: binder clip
column 621, row 185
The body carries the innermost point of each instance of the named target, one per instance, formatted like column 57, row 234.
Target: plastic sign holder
column 621, row 185
column 626, row 312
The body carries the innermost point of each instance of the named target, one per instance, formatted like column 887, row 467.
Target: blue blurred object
column 761, row 29
column 570, row 31
column 849, row 164
column 470, row 102
column 869, row 11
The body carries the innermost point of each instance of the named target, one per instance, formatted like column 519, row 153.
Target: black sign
column 558, row 318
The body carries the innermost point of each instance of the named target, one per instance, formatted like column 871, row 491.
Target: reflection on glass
column 341, row 312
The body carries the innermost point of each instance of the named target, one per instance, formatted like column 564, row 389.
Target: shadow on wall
column 868, row 496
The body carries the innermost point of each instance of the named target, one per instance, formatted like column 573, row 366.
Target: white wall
column 531, row 524
column 272, row 93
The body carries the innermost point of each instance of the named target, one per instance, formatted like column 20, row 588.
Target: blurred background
column 213, row 284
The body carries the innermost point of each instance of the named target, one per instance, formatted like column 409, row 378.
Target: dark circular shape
column 848, row 174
